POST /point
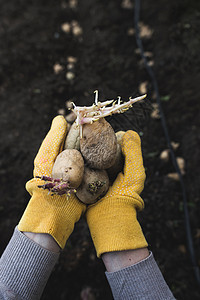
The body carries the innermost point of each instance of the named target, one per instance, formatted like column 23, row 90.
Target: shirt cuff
column 25, row 267
column 139, row 281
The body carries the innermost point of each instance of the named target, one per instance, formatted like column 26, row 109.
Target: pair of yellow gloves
column 112, row 220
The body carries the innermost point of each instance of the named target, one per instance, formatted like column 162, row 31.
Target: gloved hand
column 112, row 220
column 55, row 215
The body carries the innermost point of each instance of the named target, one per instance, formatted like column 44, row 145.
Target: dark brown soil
column 32, row 41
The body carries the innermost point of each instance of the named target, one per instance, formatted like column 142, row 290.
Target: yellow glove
column 112, row 220
column 55, row 215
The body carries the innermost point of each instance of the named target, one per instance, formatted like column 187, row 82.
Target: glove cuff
column 54, row 215
column 113, row 225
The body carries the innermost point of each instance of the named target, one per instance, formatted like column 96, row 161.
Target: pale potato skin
column 93, row 178
column 119, row 136
column 98, row 144
column 73, row 138
column 69, row 166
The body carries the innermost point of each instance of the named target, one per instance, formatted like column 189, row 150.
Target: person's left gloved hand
column 54, row 215
column 113, row 220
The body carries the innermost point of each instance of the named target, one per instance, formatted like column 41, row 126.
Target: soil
column 31, row 94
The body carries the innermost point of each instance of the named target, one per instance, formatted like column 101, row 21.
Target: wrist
column 45, row 240
column 117, row 260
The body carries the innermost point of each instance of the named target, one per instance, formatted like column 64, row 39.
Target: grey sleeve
column 141, row 281
column 24, row 268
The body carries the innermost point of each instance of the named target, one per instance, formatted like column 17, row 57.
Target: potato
column 69, row 166
column 119, row 136
column 73, row 138
column 117, row 167
column 98, row 144
column 94, row 185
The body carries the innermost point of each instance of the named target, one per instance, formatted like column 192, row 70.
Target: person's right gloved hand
column 55, row 215
column 113, row 219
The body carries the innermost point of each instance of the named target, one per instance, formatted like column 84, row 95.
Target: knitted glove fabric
column 55, row 215
column 112, row 220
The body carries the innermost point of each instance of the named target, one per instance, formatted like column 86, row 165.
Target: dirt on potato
column 98, row 145
column 64, row 50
